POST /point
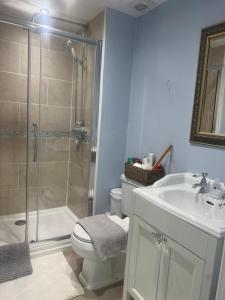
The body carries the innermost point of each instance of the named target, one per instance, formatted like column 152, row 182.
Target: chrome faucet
column 204, row 187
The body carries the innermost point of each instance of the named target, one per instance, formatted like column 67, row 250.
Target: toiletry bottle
column 150, row 159
column 216, row 189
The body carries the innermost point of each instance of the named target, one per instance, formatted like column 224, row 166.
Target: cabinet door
column 182, row 277
column 144, row 265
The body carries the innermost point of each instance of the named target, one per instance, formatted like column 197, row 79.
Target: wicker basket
column 145, row 177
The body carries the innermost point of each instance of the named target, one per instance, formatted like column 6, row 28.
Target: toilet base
column 97, row 274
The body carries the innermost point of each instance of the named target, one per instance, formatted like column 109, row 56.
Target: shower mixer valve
column 80, row 134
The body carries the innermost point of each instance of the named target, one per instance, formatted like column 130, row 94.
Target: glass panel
column 34, row 145
column 81, row 129
column 13, row 122
column 64, row 134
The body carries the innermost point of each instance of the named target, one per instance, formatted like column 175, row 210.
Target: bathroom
column 85, row 85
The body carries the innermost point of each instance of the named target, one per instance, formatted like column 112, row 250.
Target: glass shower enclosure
column 48, row 122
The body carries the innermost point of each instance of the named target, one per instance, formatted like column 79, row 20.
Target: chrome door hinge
column 93, row 154
column 90, row 202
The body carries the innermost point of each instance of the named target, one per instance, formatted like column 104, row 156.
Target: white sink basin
column 175, row 194
column 179, row 198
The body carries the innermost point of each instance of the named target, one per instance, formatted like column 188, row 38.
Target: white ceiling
column 77, row 10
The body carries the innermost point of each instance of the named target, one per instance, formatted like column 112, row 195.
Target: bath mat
column 52, row 279
column 14, row 261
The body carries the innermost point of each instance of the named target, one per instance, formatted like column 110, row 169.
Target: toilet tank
column 127, row 187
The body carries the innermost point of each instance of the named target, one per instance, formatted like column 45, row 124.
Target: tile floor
column 111, row 293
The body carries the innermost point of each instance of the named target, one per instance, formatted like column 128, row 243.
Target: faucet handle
column 204, row 174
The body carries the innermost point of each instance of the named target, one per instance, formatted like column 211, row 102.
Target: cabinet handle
column 164, row 239
column 164, row 270
column 157, row 237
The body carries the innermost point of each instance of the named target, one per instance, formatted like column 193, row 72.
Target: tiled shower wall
column 55, row 113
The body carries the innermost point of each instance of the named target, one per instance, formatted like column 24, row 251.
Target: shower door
column 13, row 132
column 48, row 121
column 62, row 114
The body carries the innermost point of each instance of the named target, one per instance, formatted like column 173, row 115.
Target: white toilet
column 96, row 273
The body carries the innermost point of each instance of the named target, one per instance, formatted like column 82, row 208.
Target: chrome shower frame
column 33, row 27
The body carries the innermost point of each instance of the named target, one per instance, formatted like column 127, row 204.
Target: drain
column 20, row 222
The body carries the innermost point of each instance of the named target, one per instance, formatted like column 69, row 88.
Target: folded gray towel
column 107, row 237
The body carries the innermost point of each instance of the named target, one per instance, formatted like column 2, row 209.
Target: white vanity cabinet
column 167, row 258
column 181, row 274
column 161, row 269
column 143, row 265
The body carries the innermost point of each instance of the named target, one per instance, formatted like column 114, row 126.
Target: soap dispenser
column 216, row 189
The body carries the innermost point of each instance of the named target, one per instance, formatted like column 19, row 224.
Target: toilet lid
column 81, row 234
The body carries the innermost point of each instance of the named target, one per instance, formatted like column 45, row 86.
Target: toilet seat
column 81, row 234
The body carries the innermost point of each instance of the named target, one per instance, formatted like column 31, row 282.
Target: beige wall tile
column 52, row 196
column 13, row 87
column 12, row 201
column 77, row 89
column 57, row 65
column 77, row 195
column 81, row 156
column 55, row 118
column 96, row 26
column 57, row 149
column 53, row 174
column 33, row 175
column 9, row 115
column 9, row 58
column 79, row 176
column 39, row 40
column 78, row 189
column 87, row 116
column 8, row 176
column 12, row 149
column 50, row 174
column 59, row 92
column 35, row 88
column 34, row 115
column 35, row 60
column 33, row 167
column 79, row 209
column 42, row 153
column 90, row 78
column 13, row 33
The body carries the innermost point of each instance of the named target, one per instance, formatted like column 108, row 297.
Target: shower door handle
column 35, row 142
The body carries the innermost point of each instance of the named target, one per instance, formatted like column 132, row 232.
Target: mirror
column 208, row 121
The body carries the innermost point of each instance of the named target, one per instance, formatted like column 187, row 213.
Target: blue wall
column 163, row 84
column 116, row 79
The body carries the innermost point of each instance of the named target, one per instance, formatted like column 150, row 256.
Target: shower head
column 71, row 47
